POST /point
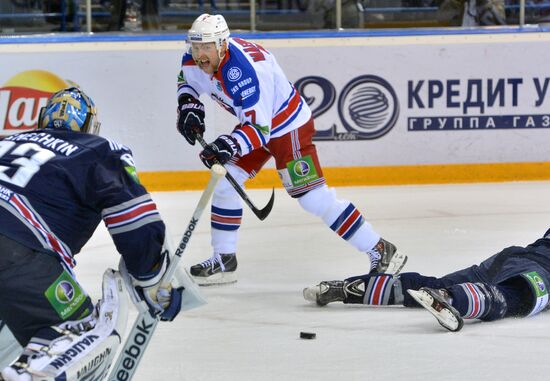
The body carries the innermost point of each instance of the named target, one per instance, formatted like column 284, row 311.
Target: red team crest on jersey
column 23, row 95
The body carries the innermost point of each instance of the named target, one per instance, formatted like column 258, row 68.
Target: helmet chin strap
column 221, row 56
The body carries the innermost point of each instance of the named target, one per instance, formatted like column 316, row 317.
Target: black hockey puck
column 307, row 335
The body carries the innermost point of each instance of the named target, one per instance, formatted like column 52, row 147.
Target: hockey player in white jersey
column 274, row 121
column 56, row 185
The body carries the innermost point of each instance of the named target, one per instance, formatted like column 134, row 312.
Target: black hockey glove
column 220, row 150
column 190, row 117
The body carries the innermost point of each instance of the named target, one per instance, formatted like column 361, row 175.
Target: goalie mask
column 70, row 109
column 209, row 28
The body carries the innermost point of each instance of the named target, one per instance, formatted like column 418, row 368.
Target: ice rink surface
column 250, row 330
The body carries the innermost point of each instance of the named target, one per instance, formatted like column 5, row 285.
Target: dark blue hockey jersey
column 56, row 186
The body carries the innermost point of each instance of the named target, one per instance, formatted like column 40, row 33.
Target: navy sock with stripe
column 478, row 301
column 378, row 289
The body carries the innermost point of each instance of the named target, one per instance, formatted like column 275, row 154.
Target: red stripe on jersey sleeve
column 131, row 214
column 252, row 135
column 288, row 111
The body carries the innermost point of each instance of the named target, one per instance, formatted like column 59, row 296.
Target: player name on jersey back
column 47, row 141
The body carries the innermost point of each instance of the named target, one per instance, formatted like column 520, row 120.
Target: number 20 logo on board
column 367, row 106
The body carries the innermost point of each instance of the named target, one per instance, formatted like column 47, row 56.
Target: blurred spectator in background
column 536, row 12
column 125, row 15
column 352, row 13
column 472, row 12
column 150, row 16
column 65, row 20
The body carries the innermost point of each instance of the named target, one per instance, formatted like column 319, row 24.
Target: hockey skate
column 219, row 269
column 326, row 292
column 438, row 303
column 385, row 258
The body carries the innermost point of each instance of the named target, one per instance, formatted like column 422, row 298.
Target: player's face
column 206, row 56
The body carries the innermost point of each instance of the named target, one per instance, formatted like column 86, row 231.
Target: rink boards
column 390, row 107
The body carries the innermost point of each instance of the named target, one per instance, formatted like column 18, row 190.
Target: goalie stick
column 145, row 324
column 260, row 213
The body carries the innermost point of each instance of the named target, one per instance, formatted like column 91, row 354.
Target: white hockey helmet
column 209, row 28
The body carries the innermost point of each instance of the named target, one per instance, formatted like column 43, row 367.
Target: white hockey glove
column 162, row 301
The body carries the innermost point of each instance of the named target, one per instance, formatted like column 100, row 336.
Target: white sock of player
column 226, row 213
column 341, row 216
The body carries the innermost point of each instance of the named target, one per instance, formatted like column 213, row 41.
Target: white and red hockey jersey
column 252, row 86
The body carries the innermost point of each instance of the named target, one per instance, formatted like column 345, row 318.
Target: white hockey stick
column 145, row 324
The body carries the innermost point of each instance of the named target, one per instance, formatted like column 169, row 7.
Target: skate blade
column 444, row 315
column 396, row 264
column 218, row 279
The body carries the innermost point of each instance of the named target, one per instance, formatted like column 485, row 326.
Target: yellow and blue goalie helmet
column 70, row 109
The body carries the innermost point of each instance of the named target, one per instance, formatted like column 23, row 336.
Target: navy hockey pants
column 26, row 276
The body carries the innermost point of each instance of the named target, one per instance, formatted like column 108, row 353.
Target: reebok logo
column 132, row 354
column 187, row 236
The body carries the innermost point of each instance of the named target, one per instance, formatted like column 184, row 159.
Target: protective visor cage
column 70, row 109
column 209, row 28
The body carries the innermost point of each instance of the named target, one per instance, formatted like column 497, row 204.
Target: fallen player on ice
column 512, row 283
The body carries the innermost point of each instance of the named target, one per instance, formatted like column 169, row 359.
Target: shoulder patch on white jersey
column 234, row 74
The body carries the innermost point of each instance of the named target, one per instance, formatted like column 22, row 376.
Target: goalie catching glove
column 190, row 117
column 161, row 300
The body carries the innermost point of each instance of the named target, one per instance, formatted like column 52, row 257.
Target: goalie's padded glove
column 219, row 151
column 190, row 117
column 172, row 302
column 162, row 301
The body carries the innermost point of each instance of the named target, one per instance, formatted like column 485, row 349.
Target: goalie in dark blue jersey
column 511, row 283
column 57, row 184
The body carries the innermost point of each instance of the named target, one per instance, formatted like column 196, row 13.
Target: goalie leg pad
column 83, row 349
column 9, row 347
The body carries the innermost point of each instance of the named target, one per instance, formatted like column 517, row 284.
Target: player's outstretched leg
column 483, row 301
column 439, row 303
column 371, row 289
column 219, row 269
column 326, row 292
column 342, row 217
